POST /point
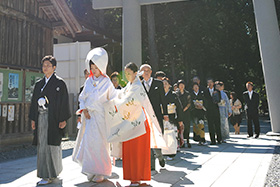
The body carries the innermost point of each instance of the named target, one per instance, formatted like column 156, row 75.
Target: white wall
column 71, row 63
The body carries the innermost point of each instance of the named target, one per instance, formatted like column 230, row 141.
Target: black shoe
column 219, row 142
column 162, row 162
column 250, row 136
column 257, row 136
column 189, row 145
column 213, row 143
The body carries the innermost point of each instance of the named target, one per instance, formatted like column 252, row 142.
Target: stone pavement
column 239, row 162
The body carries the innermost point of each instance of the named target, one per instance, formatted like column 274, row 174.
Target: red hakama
column 137, row 157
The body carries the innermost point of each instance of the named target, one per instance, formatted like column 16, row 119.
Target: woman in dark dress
column 174, row 110
column 235, row 118
column 185, row 101
column 197, row 114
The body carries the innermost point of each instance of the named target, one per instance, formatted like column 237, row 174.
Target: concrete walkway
column 239, row 162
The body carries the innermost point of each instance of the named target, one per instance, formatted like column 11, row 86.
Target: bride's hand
column 86, row 114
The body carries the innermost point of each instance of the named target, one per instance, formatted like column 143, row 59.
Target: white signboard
column 4, row 112
column 11, row 112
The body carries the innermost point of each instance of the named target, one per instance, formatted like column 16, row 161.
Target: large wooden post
column 131, row 36
column 269, row 42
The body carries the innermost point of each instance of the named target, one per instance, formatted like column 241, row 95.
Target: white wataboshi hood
column 99, row 57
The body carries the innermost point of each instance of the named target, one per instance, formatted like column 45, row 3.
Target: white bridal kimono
column 92, row 148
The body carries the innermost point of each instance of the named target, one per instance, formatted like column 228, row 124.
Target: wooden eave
column 62, row 19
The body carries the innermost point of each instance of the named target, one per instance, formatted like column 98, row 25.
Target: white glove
column 42, row 102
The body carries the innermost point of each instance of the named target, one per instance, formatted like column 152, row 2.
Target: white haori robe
column 92, row 148
column 125, row 116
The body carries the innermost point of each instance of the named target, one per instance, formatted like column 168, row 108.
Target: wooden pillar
column 269, row 42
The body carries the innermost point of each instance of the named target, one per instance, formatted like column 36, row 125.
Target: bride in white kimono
column 92, row 148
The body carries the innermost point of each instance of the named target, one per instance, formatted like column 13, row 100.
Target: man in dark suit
column 252, row 101
column 197, row 80
column 155, row 91
column 212, row 114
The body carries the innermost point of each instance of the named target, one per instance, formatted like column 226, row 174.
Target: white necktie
column 147, row 86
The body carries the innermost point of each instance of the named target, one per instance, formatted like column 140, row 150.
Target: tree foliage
column 208, row 38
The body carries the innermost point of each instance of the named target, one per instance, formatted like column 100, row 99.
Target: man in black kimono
column 213, row 114
column 155, row 91
column 252, row 102
column 49, row 112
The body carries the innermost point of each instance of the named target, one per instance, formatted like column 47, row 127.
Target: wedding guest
column 235, row 118
column 155, row 91
column 175, row 87
column 86, row 74
column 197, row 80
column 213, row 97
column 49, row 112
column 185, row 101
column 92, row 149
column 115, row 78
column 225, row 111
column 252, row 101
column 175, row 115
column 197, row 114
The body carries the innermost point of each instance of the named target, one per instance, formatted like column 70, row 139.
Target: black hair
column 85, row 71
column 49, row 58
column 234, row 96
column 181, row 82
column 132, row 66
column 160, row 74
column 210, row 78
column 195, row 83
column 115, row 74
column 166, row 79
column 90, row 63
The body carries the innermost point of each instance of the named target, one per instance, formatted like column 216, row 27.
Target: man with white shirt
column 251, row 99
column 156, row 94
column 212, row 114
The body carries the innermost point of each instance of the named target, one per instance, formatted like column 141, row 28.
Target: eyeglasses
column 47, row 66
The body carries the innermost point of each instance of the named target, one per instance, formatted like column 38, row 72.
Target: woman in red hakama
column 137, row 158
column 137, row 152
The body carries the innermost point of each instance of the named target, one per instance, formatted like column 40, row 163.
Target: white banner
column 11, row 112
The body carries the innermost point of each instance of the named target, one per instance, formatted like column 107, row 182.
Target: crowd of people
column 148, row 119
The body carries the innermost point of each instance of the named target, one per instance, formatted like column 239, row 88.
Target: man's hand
column 166, row 118
column 86, row 114
column 33, row 125
column 62, row 124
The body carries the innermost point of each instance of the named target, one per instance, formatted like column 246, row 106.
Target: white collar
column 149, row 82
column 212, row 89
column 47, row 79
column 167, row 92
column 196, row 93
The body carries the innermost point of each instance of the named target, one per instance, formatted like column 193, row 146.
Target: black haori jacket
column 58, row 107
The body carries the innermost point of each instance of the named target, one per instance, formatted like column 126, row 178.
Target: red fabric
column 137, row 157
column 92, row 75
